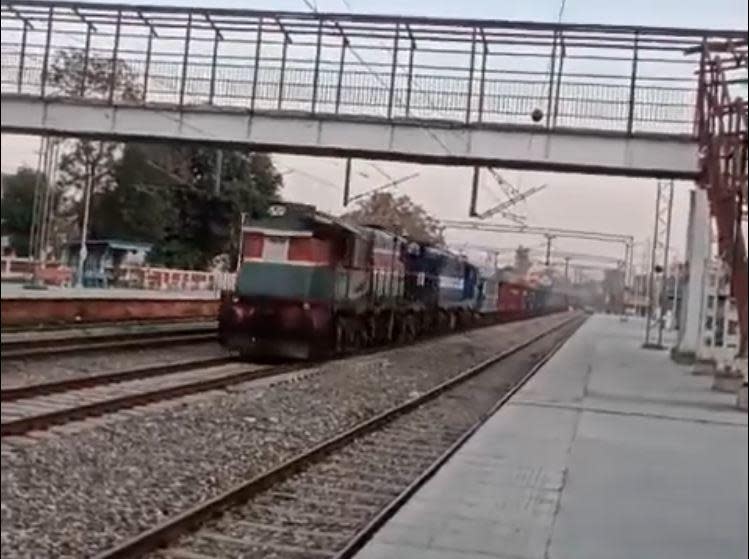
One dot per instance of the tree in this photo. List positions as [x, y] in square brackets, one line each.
[399, 215]
[74, 73]
[206, 222]
[158, 193]
[138, 207]
[18, 207]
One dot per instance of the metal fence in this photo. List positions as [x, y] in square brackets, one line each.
[624, 79]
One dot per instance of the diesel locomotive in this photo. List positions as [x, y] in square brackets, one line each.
[310, 284]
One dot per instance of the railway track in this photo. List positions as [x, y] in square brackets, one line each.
[328, 501]
[89, 325]
[11, 394]
[42, 406]
[64, 343]
[38, 407]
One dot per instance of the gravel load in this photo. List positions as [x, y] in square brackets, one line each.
[76, 495]
[24, 372]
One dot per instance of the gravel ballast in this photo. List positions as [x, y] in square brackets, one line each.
[76, 495]
[24, 372]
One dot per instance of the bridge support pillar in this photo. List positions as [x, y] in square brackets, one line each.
[703, 366]
[698, 253]
[727, 379]
[736, 381]
[742, 400]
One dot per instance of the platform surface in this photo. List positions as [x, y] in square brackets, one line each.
[18, 291]
[93, 331]
[609, 452]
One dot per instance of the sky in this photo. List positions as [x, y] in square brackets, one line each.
[607, 204]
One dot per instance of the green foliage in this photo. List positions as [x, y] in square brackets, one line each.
[188, 221]
[162, 194]
[74, 74]
[18, 207]
[399, 215]
[165, 195]
[138, 208]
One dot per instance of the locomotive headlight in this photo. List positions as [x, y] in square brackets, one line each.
[306, 306]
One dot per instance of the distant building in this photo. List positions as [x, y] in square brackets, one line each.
[522, 260]
[719, 328]
[613, 287]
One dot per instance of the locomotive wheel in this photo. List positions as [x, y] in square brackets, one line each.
[443, 322]
[391, 327]
[371, 331]
[360, 339]
[340, 337]
[409, 327]
[403, 332]
[356, 336]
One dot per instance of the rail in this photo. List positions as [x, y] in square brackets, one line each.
[187, 381]
[13, 393]
[26, 349]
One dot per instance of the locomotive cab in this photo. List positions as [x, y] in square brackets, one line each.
[285, 283]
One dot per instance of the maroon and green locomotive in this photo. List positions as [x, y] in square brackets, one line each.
[309, 283]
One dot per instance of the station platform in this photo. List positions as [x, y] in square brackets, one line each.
[610, 451]
[33, 308]
[103, 331]
[18, 291]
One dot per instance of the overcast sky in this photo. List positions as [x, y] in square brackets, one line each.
[606, 204]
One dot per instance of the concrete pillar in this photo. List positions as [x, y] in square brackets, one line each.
[727, 380]
[742, 399]
[698, 253]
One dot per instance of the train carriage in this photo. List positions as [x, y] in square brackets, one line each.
[487, 297]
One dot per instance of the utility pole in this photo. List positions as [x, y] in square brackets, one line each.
[240, 256]
[46, 222]
[659, 262]
[347, 183]
[83, 249]
[219, 168]
[87, 193]
[666, 249]
[548, 249]
[675, 302]
[472, 212]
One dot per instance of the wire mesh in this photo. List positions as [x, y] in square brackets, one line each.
[621, 79]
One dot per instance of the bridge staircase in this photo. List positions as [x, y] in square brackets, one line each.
[722, 129]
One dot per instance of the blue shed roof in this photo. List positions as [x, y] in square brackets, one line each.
[116, 244]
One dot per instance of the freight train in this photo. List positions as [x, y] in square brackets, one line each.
[310, 285]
